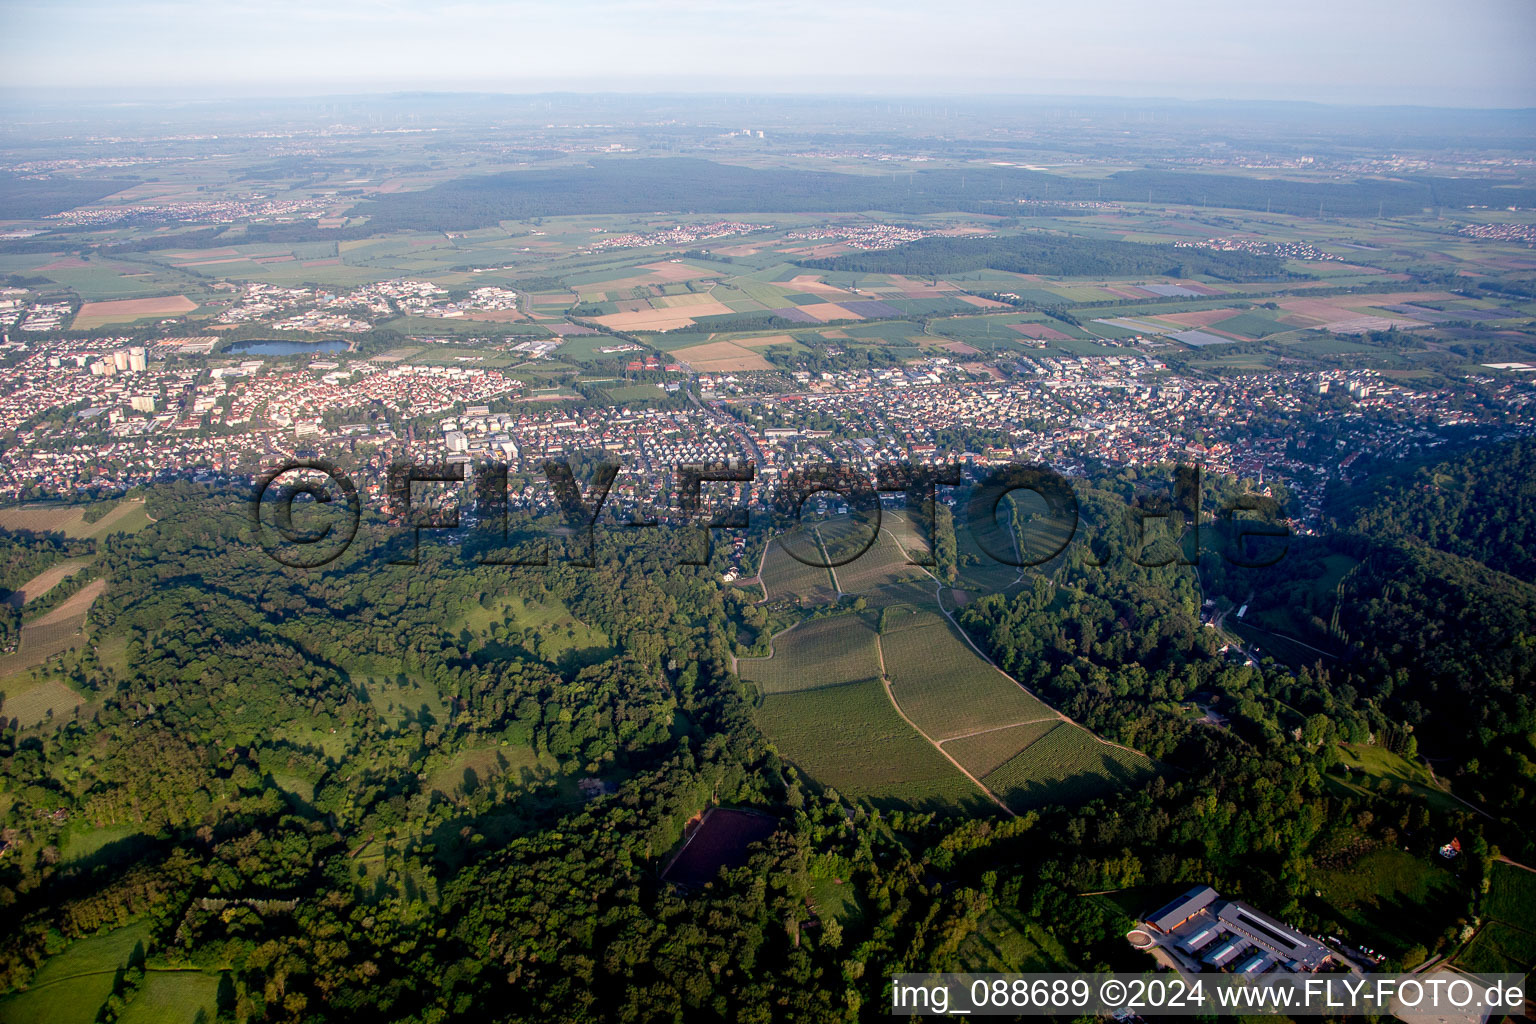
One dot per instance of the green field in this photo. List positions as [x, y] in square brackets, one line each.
[1499, 948]
[851, 739]
[472, 767]
[786, 577]
[1066, 766]
[822, 652]
[32, 701]
[947, 689]
[174, 997]
[1506, 942]
[1390, 899]
[70, 987]
[1376, 769]
[1007, 942]
[986, 752]
[882, 564]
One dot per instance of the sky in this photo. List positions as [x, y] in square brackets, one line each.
[1473, 53]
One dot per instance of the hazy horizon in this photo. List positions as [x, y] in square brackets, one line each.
[1370, 53]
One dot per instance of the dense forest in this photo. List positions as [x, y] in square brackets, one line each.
[1480, 504]
[1039, 252]
[255, 730]
[700, 186]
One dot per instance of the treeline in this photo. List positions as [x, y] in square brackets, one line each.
[701, 186]
[30, 198]
[1038, 252]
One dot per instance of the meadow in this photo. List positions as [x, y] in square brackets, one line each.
[72, 986]
[1385, 897]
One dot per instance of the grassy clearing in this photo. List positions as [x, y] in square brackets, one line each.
[1390, 899]
[1066, 766]
[474, 766]
[71, 986]
[823, 652]
[838, 900]
[947, 689]
[1376, 769]
[88, 842]
[1007, 942]
[851, 739]
[173, 997]
[986, 752]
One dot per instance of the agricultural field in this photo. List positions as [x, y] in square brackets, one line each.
[1499, 948]
[45, 581]
[821, 652]
[32, 701]
[984, 752]
[99, 314]
[128, 516]
[1506, 942]
[1066, 766]
[947, 689]
[54, 632]
[786, 577]
[851, 739]
[883, 564]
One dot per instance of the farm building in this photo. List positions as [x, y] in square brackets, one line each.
[1226, 952]
[1183, 908]
[1201, 921]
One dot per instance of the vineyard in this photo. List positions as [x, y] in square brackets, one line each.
[1066, 766]
[948, 689]
[883, 565]
[985, 752]
[785, 577]
[905, 531]
[822, 652]
[31, 705]
[851, 739]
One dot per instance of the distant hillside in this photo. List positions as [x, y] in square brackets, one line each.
[25, 198]
[638, 185]
[1040, 253]
[1480, 504]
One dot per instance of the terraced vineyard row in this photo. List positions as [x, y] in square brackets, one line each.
[1066, 766]
[947, 689]
[823, 652]
[985, 752]
[851, 739]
